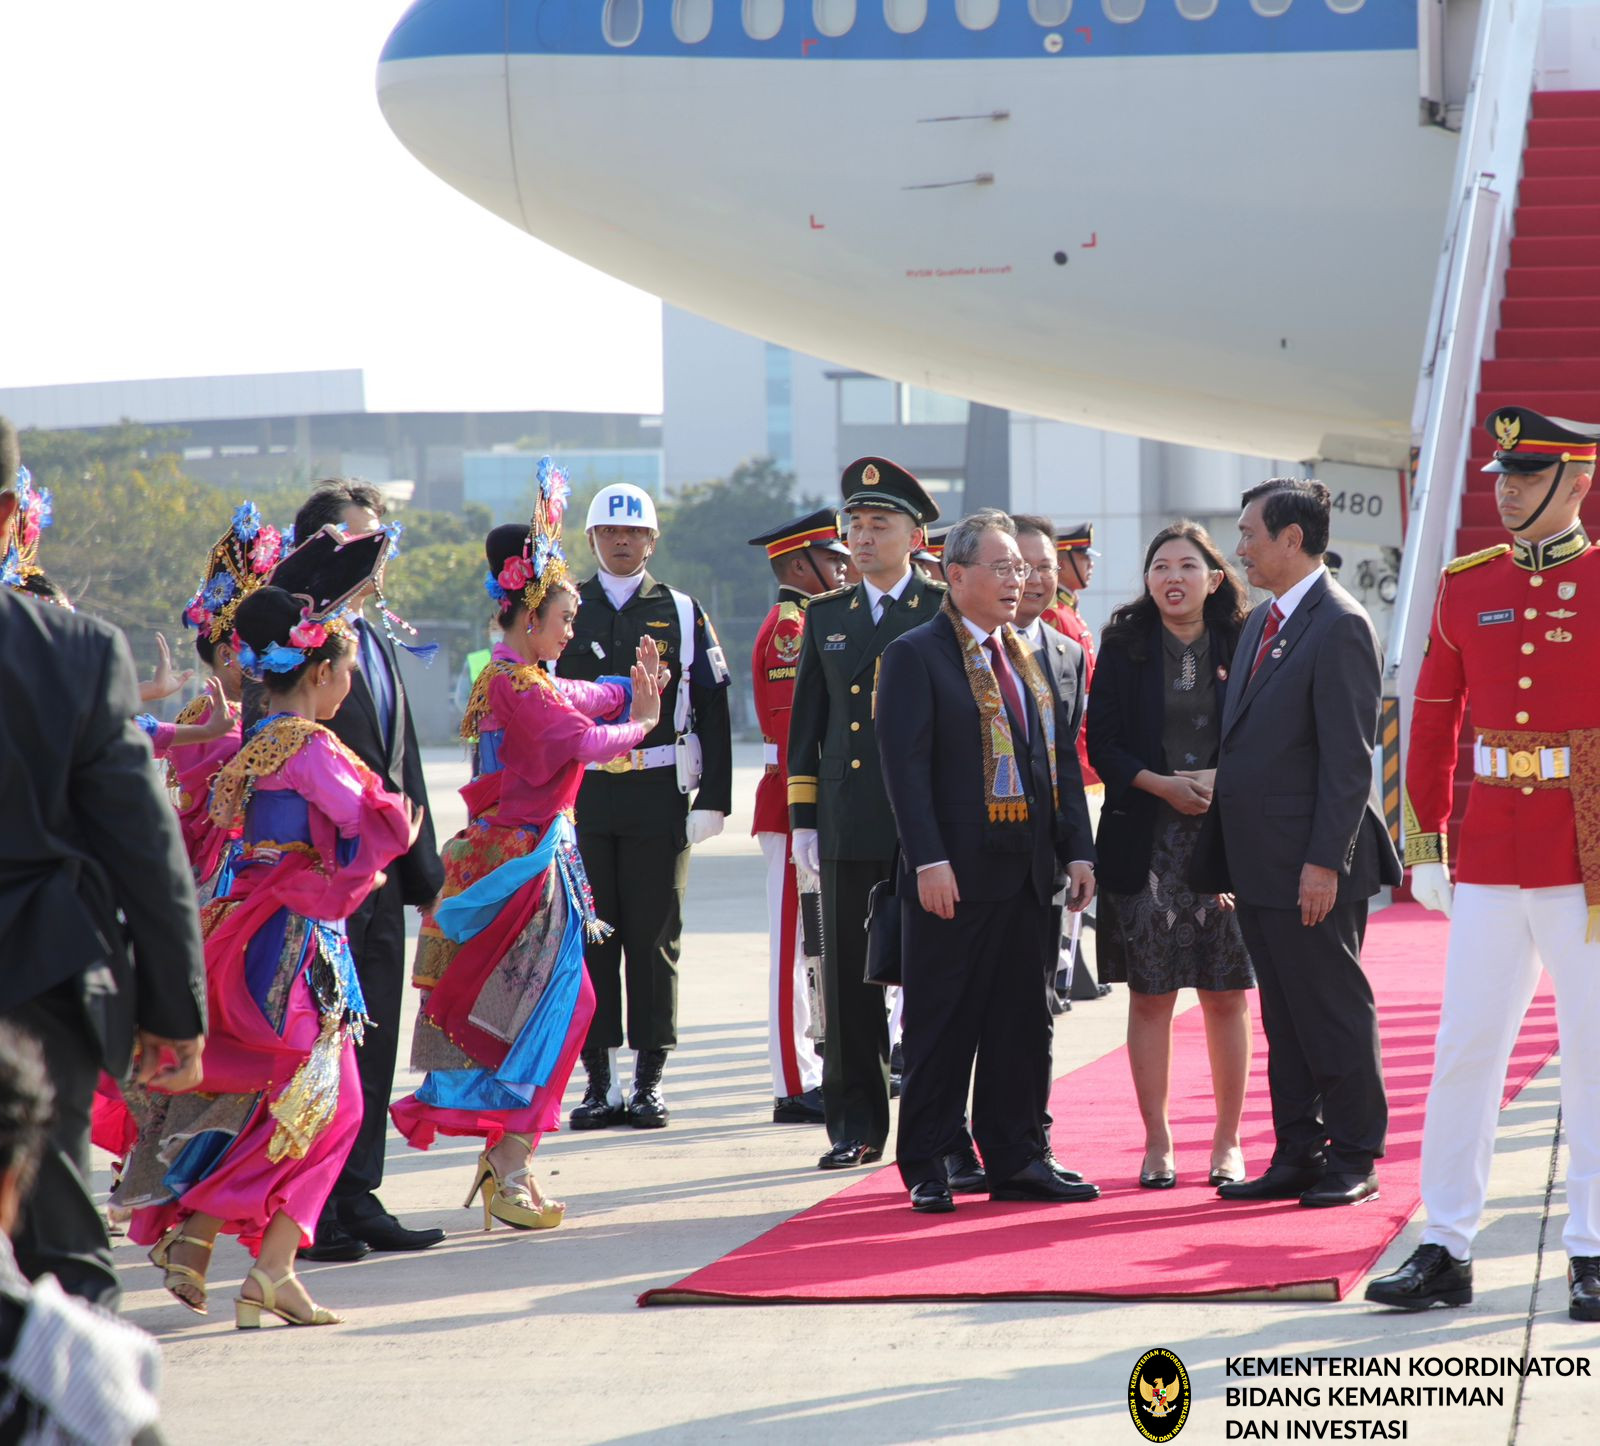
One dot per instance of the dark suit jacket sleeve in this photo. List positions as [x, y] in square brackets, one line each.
[1074, 833]
[808, 722]
[132, 833]
[905, 750]
[1346, 694]
[709, 699]
[1111, 739]
[420, 870]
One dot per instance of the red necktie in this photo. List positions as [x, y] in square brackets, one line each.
[1008, 684]
[1268, 633]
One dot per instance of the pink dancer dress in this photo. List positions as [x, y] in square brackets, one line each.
[508, 1000]
[272, 1120]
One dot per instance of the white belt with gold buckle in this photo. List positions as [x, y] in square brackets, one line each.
[1541, 763]
[636, 760]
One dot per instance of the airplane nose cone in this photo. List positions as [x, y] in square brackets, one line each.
[442, 89]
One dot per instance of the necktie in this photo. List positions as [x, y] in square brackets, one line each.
[1008, 684]
[885, 602]
[1268, 633]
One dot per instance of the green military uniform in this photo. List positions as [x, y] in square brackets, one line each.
[631, 818]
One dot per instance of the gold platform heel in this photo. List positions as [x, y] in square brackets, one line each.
[509, 1199]
[173, 1276]
[247, 1313]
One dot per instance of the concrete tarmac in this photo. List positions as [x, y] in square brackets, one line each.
[502, 1337]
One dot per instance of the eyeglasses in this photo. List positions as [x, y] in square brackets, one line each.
[1048, 570]
[1006, 571]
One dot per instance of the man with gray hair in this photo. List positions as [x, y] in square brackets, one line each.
[974, 761]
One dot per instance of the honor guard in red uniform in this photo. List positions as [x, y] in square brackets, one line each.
[1075, 556]
[807, 558]
[930, 556]
[1515, 636]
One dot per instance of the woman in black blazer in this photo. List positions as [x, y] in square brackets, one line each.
[1154, 727]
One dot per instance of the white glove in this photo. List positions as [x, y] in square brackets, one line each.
[1430, 887]
[804, 851]
[704, 823]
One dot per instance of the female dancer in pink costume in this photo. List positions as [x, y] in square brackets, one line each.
[509, 1000]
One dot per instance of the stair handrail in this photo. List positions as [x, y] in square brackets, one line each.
[1473, 259]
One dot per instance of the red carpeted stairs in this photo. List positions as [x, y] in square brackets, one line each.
[1547, 351]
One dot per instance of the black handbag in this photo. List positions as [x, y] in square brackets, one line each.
[883, 930]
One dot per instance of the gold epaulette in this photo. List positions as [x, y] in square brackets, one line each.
[1472, 559]
[791, 611]
[260, 758]
[521, 676]
[833, 592]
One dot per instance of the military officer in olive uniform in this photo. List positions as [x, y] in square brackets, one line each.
[838, 809]
[635, 819]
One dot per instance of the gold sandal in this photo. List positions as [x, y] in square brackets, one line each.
[174, 1276]
[507, 1200]
[247, 1312]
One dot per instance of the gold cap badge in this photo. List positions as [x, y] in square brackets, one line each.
[869, 475]
[1507, 431]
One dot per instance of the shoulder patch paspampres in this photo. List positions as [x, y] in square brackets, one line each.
[1472, 559]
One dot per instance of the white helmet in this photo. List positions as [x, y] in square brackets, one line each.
[622, 505]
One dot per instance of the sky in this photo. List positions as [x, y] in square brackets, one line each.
[207, 187]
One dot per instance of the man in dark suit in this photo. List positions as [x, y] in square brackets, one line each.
[973, 761]
[375, 724]
[1296, 834]
[91, 866]
[839, 813]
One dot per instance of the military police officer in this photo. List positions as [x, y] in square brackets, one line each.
[635, 820]
[838, 808]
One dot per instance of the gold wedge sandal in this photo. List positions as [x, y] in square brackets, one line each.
[247, 1312]
[510, 1199]
[174, 1276]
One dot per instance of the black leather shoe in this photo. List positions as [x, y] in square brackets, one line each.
[1281, 1182]
[1340, 1187]
[965, 1173]
[847, 1154]
[1430, 1276]
[646, 1109]
[1039, 1181]
[802, 1109]
[1583, 1287]
[384, 1232]
[333, 1243]
[932, 1197]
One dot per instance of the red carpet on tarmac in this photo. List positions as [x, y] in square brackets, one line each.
[866, 1244]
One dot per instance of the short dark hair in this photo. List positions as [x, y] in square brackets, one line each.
[27, 1103]
[1030, 523]
[328, 501]
[1303, 501]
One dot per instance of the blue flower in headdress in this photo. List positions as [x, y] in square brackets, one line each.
[288, 540]
[393, 530]
[553, 485]
[492, 586]
[11, 567]
[246, 521]
[219, 591]
[541, 555]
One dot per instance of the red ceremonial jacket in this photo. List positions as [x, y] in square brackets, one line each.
[1516, 632]
[773, 663]
[1066, 618]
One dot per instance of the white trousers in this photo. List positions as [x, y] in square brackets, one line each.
[1499, 936]
[795, 1065]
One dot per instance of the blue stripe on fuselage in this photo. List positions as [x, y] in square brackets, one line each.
[573, 27]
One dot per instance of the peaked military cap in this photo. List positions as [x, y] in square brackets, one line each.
[1077, 539]
[932, 550]
[819, 529]
[877, 482]
[1525, 441]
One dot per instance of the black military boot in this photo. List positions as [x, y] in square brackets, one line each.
[596, 1112]
[1430, 1276]
[647, 1110]
[1583, 1287]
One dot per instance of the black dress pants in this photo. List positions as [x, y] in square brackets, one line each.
[378, 945]
[975, 988]
[638, 885]
[855, 1047]
[1323, 1064]
[61, 1232]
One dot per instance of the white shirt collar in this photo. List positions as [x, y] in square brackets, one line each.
[1034, 632]
[620, 589]
[874, 593]
[1297, 594]
[981, 636]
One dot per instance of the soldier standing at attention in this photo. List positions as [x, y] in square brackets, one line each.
[807, 558]
[635, 822]
[839, 811]
[1515, 634]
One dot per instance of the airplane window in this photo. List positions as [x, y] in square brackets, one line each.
[1345, 7]
[1122, 12]
[691, 20]
[977, 14]
[763, 18]
[1050, 13]
[1197, 9]
[622, 21]
[905, 16]
[1270, 8]
[833, 17]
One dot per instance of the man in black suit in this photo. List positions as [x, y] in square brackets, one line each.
[973, 759]
[839, 814]
[1296, 834]
[375, 724]
[91, 865]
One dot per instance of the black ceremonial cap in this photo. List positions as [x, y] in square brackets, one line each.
[1524, 441]
[819, 529]
[878, 482]
[330, 567]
